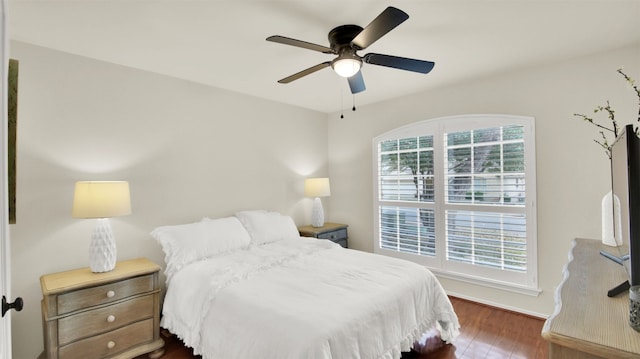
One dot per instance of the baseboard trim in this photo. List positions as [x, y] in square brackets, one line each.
[498, 306]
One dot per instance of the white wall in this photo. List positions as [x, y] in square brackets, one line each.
[572, 171]
[187, 150]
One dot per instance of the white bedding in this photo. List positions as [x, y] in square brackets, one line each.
[304, 298]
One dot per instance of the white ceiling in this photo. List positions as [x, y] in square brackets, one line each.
[222, 42]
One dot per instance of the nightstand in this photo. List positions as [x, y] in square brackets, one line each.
[114, 314]
[334, 232]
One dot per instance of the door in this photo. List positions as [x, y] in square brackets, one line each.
[5, 321]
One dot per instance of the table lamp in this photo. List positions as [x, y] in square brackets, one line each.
[101, 200]
[317, 187]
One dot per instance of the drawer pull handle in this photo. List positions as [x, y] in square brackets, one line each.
[111, 344]
[110, 294]
[111, 318]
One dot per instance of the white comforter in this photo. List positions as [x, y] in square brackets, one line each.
[305, 298]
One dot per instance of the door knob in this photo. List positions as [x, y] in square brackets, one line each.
[17, 305]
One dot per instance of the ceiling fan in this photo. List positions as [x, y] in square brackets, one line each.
[346, 40]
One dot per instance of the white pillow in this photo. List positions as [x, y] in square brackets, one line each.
[187, 243]
[265, 226]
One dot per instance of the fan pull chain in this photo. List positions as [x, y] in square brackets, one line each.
[341, 104]
[354, 103]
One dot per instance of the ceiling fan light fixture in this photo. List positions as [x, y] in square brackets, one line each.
[346, 40]
[346, 65]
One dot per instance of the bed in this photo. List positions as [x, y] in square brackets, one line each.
[248, 286]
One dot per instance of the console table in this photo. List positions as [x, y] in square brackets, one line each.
[586, 323]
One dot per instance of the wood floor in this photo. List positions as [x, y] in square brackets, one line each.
[486, 332]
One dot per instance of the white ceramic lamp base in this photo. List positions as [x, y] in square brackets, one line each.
[102, 250]
[317, 213]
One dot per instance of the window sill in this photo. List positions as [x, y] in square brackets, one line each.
[530, 291]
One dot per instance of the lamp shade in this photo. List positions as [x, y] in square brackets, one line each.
[101, 199]
[317, 187]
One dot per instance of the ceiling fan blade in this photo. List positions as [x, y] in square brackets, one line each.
[401, 63]
[299, 43]
[385, 22]
[356, 83]
[306, 72]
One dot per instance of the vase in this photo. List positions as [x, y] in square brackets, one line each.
[609, 217]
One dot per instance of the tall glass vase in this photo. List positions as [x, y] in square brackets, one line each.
[609, 217]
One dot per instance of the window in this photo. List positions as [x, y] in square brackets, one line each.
[457, 194]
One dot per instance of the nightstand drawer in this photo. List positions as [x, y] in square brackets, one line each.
[84, 298]
[100, 320]
[334, 235]
[110, 343]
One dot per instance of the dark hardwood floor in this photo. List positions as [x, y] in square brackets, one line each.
[486, 332]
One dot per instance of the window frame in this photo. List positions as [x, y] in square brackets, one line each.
[525, 282]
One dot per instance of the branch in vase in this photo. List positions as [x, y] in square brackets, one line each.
[590, 120]
[633, 85]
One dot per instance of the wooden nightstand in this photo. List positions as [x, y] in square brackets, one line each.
[334, 232]
[102, 315]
